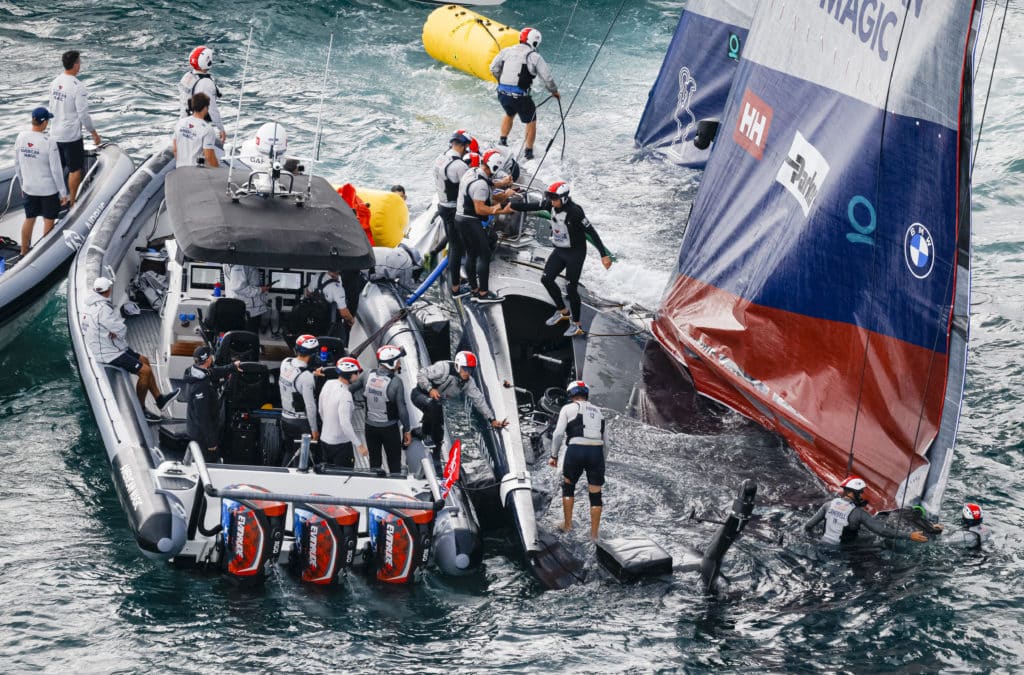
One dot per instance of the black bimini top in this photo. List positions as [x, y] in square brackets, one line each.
[323, 234]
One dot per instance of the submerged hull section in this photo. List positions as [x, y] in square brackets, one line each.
[828, 248]
[695, 78]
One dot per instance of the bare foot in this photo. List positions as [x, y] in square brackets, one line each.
[564, 528]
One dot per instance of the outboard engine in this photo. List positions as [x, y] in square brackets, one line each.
[252, 531]
[400, 540]
[325, 542]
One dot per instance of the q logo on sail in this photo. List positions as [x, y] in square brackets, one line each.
[918, 249]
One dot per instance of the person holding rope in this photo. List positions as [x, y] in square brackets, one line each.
[515, 68]
[570, 231]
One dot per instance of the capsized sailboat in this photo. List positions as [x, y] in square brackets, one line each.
[695, 78]
[823, 281]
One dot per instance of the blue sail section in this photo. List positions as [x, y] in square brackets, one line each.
[695, 78]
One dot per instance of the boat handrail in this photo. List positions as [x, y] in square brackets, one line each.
[195, 455]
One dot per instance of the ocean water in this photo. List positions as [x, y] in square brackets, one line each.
[76, 596]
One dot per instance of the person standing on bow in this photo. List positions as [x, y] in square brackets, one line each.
[37, 168]
[243, 283]
[387, 416]
[198, 80]
[194, 137]
[473, 205]
[447, 379]
[298, 394]
[570, 231]
[582, 425]
[515, 68]
[69, 103]
[203, 418]
[341, 420]
[449, 169]
[845, 515]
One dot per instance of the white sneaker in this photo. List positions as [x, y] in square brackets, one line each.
[556, 318]
[574, 330]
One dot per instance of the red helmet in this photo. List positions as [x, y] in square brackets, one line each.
[472, 158]
[557, 190]
[493, 160]
[854, 484]
[201, 58]
[972, 514]
[388, 356]
[530, 36]
[349, 365]
[306, 344]
[465, 359]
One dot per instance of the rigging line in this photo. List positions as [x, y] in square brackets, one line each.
[565, 30]
[615, 18]
[238, 113]
[483, 24]
[874, 257]
[988, 94]
[984, 43]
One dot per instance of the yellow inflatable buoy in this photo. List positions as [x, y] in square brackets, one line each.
[466, 40]
[389, 215]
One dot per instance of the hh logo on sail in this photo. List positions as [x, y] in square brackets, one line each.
[751, 132]
[803, 172]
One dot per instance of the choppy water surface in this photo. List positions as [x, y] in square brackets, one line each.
[76, 595]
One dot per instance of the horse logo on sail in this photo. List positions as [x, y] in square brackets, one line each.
[687, 88]
[919, 250]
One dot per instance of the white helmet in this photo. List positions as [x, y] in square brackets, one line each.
[530, 36]
[388, 356]
[493, 160]
[465, 359]
[201, 58]
[349, 365]
[271, 140]
[854, 484]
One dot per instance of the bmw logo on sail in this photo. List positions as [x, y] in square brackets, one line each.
[919, 250]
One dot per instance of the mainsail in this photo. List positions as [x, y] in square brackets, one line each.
[695, 78]
[823, 282]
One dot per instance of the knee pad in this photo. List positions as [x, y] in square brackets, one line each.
[595, 499]
[568, 489]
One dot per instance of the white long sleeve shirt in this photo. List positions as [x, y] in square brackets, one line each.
[193, 83]
[336, 411]
[243, 282]
[100, 321]
[69, 103]
[37, 165]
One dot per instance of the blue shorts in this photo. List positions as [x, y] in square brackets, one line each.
[580, 458]
[518, 105]
[128, 360]
[48, 206]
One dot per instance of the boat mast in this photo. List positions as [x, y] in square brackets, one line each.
[319, 118]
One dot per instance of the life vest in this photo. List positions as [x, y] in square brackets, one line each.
[379, 409]
[291, 370]
[362, 209]
[468, 206]
[837, 522]
[586, 426]
[195, 83]
[447, 190]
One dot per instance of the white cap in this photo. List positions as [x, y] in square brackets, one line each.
[102, 284]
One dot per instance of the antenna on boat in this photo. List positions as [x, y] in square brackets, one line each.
[319, 118]
[238, 113]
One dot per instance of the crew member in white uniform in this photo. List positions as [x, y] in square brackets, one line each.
[515, 68]
[194, 137]
[582, 425]
[243, 282]
[69, 102]
[329, 284]
[449, 168]
[845, 515]
[340, 419]
[198, 80]
[37, 168]
[298, 394]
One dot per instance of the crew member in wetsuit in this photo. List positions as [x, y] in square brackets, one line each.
[202, 380]
[973, 533]
[446, 379]
[473, 205]
[844, 516]
[515, 68]
[449, 169]
[298, 394]
[570, 230]
[199, 80]
[330, 286]
[582, 425]
[339, 415]
[386, 410]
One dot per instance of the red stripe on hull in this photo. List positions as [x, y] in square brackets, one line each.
[815, 367]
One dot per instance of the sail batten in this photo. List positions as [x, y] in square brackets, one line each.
[823, 267]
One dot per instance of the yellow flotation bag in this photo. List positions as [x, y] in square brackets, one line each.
[466, 40]
[389, 215]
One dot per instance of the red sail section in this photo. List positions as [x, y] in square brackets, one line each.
[808, 389]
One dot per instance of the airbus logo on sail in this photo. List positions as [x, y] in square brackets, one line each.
[752, 127]
[803, 172]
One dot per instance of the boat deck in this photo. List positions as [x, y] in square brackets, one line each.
[144, 334]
